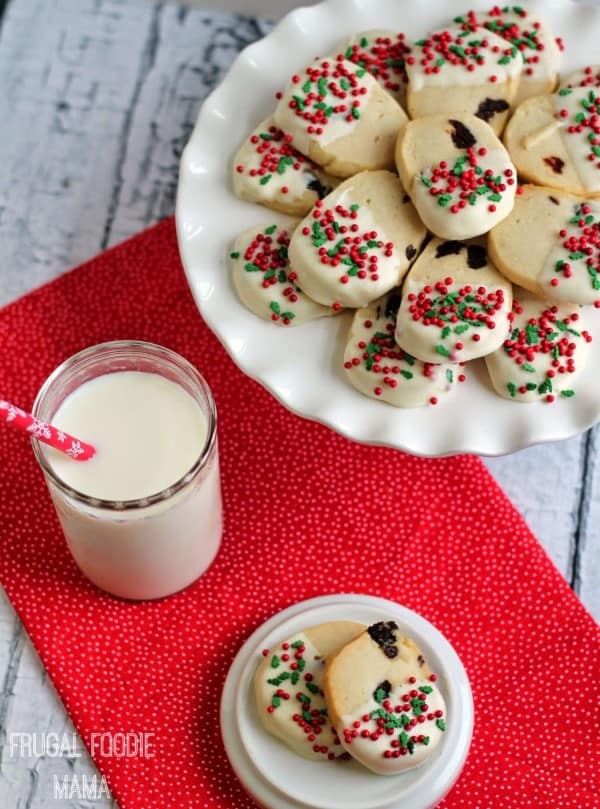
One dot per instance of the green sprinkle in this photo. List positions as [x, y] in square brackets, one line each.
[495, 197]
[322, 86]
[425, 181]
[461, 329]
[349, 52]
[528, 367]
[379, 695]
[411, 747]
[235, 254]
[344, 84]
[425, 741]
[271, 229]
[450, 378]
[300, 103]
[576, 256]
[565, 91]
[282, 276]
[355, 112]
[274, 306]
[252, 268]
[288, 315]
[532, 334]
[264, 180]
[403, 738]
[266, 136]
[421, 42]
[426, 689]
[446, 332]
[296, 644]
[512, 389]
[441, 724]
[306, 86]
[276, 701]
[567, 393]
[440, 349]
[444, 199]
[269, 274]
[313, 688]
[295, 677]
[354, 207]
[301, 664]
[407, 374]
[440, 62]
[546, 386]
[304, 699]
[363, 42]
[307, 716]
[504, 60]
[531, 386]
[360, 73]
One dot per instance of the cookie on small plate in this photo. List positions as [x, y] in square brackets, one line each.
[383, 701]
[540, 51]
[554, 140]
[358, 242]
[288, 687]
[550, 245]
[459, 175]
[455, 304]
[340, 117]
[458, 72]
[263, 279]
[544, 353]
[383, 53]
[268, 170]
[376, 365]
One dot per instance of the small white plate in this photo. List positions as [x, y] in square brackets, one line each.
[279, 779]
[303, 366]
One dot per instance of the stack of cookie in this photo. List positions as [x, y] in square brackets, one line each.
[408, 208]
[344, 690]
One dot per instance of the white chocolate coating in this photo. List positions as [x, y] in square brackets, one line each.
[544, 352]
[358, 243]
[389, 753]
[268, 170]
[588, 76]
[455, 304]
[288, 689]
[503, 64]
[265, 287]
[376, 366]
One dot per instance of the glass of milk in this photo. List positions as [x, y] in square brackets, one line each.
[143, 517]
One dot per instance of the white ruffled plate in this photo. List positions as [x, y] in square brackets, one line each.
[303, 366]
[277, 778]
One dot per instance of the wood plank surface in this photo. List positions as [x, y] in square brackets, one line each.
[98, 99]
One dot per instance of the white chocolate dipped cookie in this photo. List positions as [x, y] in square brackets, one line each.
[550, 245]
[263, 279]
[458, 174]
[268, 170]
[358, 242]
[383, 53]
[460, 72]
[588, 76]
[379, 368]
[455, 304]
[340, 117]
[540, 52]
[554, 140]
[544, 353]
[288, 687]
[383, 701]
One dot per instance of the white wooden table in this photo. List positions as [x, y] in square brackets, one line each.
[97, 99]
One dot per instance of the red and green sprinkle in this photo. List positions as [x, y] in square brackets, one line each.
[330, 90]
[547, 334]
[467, 182]
[383, 57]
[340, 243]
[586, 121]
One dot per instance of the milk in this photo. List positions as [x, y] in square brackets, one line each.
[148, 433]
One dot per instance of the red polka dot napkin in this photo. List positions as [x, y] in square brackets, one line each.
[307, 512]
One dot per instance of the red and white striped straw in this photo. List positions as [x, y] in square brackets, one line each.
[61, 441]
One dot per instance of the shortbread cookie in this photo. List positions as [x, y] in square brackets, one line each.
[288, 689]
[358, 242]
[268, 170]
[550, 244]
[458, 174]
[455, 304]
[458, 72]
[263, 279]
[377, 366]
[544, 353]
[383, 701]
[588, 76]
[554, 140]
[340, 117]
[540, 52]
[383, 53]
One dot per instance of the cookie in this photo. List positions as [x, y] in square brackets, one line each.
[383, 53]
[540, 52]
[544, 353]
[455, 304]
[383, 701]
[554, 140]
[340, 117]
[459, 72]
[263, 279]
[588, 76]
[289, 694]
[358, 242]
[460, 177]
[376, 365]
[268, 170]
[550, 244]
